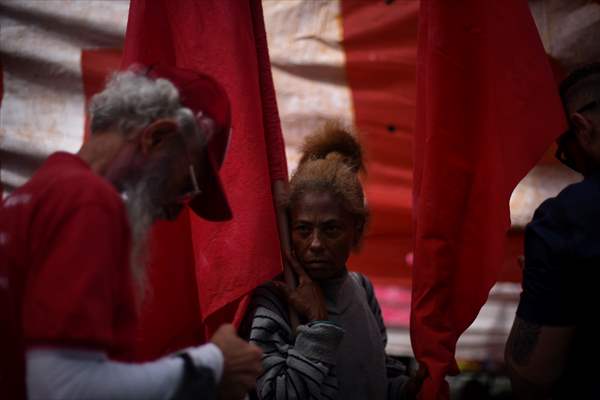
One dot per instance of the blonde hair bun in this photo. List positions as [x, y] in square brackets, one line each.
[334, 142]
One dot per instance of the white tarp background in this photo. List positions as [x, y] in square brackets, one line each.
[42, 107]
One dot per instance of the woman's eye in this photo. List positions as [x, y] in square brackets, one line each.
[302, 229]
[332, 229]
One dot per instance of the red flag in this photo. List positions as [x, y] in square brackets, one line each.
[487, 109]
[201, 272]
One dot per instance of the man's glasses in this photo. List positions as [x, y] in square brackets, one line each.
[568, 136]
[195, 189]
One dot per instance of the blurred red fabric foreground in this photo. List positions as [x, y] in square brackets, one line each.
[201, 272]
[487, 109]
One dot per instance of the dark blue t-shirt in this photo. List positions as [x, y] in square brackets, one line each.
[560, 279]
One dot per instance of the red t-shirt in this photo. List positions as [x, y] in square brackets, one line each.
[65, 276]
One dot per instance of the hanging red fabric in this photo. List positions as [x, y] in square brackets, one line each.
[487, 109]
[201, 272]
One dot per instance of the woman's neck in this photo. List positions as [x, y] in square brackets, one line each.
[331, 286]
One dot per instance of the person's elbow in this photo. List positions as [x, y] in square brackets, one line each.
[527, 383]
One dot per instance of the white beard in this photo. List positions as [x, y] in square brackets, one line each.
[141, 200]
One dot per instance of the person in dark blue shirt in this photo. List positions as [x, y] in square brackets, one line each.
[552, 350]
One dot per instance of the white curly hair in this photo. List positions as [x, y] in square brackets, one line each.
[131, 101]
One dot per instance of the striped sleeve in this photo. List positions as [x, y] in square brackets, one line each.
[300, 368]
[396, 372]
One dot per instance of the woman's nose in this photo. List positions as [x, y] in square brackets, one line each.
[315, 241]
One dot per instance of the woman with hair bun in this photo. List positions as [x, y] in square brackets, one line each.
[338, 350]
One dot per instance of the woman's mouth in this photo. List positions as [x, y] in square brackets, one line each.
[317, 264]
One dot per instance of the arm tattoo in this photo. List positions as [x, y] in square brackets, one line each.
[523, 340]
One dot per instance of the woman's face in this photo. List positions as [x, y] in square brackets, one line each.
[323, 234]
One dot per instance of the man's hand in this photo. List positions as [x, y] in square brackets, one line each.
[242, 363]
[307, 299]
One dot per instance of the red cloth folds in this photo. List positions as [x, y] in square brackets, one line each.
[225, 39]
[380, 46]
[487, 109]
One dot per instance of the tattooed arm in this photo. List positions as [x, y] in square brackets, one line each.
[536, 356]
[540, 341]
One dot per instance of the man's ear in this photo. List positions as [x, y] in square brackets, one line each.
[583, 130]
[155, 134]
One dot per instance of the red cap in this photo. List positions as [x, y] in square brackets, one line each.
[201, 93]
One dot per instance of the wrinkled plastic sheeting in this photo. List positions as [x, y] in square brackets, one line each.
[308, 65]
[42, 107]
[569, 29]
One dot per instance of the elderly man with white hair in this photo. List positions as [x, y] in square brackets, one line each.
[73, 246]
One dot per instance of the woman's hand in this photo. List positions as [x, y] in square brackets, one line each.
[307, 298]
[412, 387]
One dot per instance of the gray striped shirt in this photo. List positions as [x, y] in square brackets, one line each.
[342, 358]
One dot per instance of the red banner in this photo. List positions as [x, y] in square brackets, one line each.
[225, 39]
[487, 109]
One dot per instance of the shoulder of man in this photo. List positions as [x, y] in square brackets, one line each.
[579, 199]
[63, 190]
[574, 209]
[62, 185]
[66, 182]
